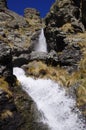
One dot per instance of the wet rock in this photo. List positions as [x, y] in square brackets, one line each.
[29, 118]
[48, 58]
[55, 39]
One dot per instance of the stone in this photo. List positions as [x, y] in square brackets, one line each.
[69, 57]
[83, 9]
[64, 18]
[5, 60]
[55, 39]
[66, 40]
[3, 4]
[14, 29]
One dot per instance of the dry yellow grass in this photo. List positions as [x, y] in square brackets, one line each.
[67, 28]
[5, 114]
[4, 86]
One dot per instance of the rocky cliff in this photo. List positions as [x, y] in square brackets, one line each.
[65, 61]
[65, 33]
[16, 34]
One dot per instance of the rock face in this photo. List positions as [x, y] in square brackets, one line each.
[65, 34]
[65, 61]
[62, 22]
[3, 4]
[68, 12]
[83, 8]
[32, 13]
[19, 31]
[6, 61]
[16, 36]
[8, 109]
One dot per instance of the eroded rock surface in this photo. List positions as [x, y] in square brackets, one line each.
[15, 39]
[64, 63]
[65, 33]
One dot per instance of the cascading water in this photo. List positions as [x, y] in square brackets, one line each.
[51, 99]
[41, 46]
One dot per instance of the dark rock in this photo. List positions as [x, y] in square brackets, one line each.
[62, 12]
[70, 57]
[55, 39]
[19, 31]
[6, 69]
[5, 55]
[77, 2]
[63, 15]
[48, 58]
[3, 4]
[83, 9]
[21, 60]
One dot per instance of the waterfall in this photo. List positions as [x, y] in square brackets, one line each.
[41, 46]
[51, 99]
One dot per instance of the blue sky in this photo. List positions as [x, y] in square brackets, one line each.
[42, 6]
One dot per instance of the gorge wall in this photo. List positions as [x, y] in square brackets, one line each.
[65, 62]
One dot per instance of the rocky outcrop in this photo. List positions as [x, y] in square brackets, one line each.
[8, 109]
[64, 17]
[63, 12]
[65, 33]
[18, 31]
[62, 23]
[48, 58]
[70, 57]
[16, 34]
[31, 13]
[6, 67]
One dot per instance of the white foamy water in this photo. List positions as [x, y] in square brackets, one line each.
[41, 46]
[52, 101]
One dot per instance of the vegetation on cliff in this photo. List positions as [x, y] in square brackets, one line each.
[65, 62]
